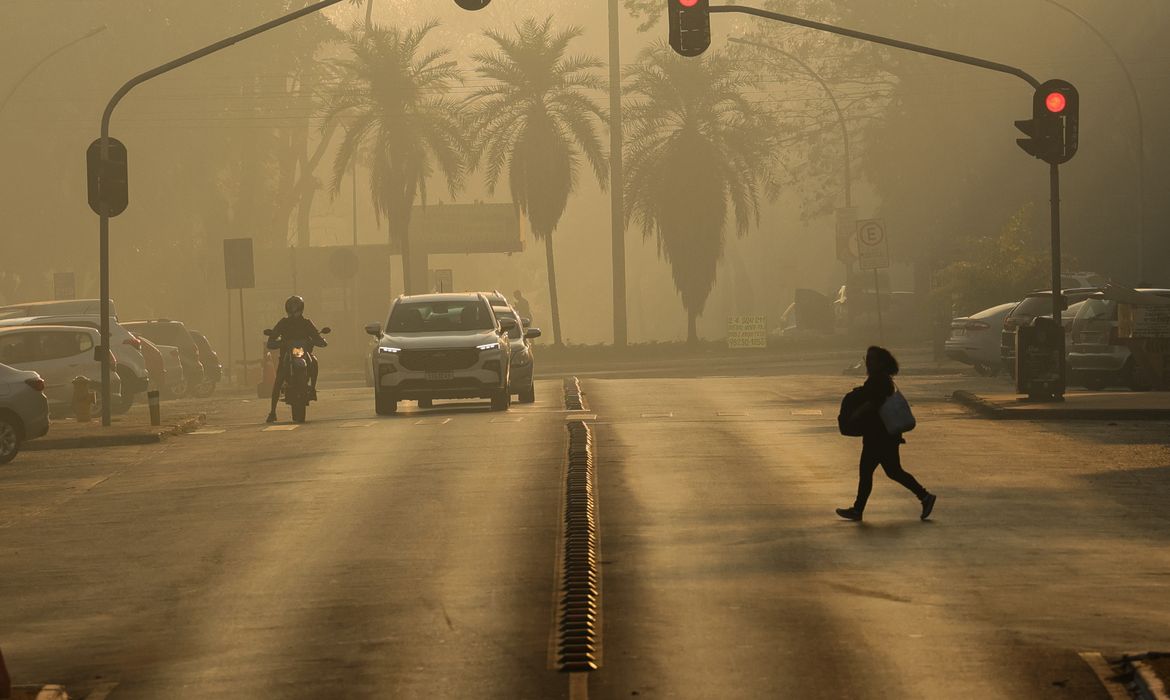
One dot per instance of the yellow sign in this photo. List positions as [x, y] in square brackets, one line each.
[747, 331]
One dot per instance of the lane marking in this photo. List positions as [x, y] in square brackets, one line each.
[279, 427]
[581, 416]
[667, 414]
[207, 431]
[432, 421]
[808, 412]
[516, 419]
[731, 413]
[357, 424]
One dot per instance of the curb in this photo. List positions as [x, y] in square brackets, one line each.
[986, 409]
[150, 437]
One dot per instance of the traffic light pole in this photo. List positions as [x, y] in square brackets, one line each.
[1057, 293]
[104, 225]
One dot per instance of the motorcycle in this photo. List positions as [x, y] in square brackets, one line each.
[295, 354]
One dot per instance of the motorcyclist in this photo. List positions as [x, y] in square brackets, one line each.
[294, 327]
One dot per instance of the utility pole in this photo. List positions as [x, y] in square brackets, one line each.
[616, 181]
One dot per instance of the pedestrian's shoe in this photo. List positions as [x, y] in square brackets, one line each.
[849, 513]
[271, 417]
[928, 505]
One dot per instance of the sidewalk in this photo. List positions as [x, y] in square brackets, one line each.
[125, 430]
[1082, 405]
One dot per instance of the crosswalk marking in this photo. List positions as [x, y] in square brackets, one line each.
[357, 424]
[729, 414]
[208, 431]
[280, 427]
[667, 414]
[433, 421]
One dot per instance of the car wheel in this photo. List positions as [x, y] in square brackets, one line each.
[384, 403]
[501, 399]
[9, 440]
[528, 394]
[426, 403]
[123, 403]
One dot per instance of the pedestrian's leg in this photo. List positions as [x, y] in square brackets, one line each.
[868, 463]
[892, 464]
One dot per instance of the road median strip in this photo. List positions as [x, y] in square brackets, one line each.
[1144, 406]
[70, 436]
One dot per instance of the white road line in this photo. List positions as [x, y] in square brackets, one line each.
[515, 419]
[358, 424]
[207, 431]
[728, 414]
[658, 415]
[808, 412]
[279, 427]
[581, 416]
[432, 421]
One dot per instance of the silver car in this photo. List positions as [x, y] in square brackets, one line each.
[24, 410]
[975, 339]
[1096, 359]
[441, 346]
[520, 337]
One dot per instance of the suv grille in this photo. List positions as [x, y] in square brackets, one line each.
[434, 360]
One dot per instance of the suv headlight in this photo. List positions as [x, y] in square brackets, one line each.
[488, 346]
[388, 351]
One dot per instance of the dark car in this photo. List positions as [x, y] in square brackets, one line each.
[212, 367]
[167, 332]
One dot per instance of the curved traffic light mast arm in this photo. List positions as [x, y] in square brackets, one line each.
[874, 38]
[104, 226]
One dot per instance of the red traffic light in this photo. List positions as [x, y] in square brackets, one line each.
[1055, 102]
[688, 3]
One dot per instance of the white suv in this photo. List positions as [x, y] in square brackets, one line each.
[440, 346]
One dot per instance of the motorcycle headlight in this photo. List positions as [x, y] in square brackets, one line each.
[488, 346]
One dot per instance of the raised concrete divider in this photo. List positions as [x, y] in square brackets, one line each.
[68, 435]
[1120, 405]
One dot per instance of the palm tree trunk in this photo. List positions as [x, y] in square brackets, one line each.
[692, 330]
[369, 14]
[552, 289]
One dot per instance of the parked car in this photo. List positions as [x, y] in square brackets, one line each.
[975, 339]
[176, 386]
[59, 354]
[24, 410]
[441, 346]
[168, 332]
[212, 367]
[1096, 359]
[156, 367]
[64, 307]
[521, 383]
[126, 346]
[1035, 304]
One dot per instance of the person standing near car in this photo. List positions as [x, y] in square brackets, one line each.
[861, 416]
[521, 305]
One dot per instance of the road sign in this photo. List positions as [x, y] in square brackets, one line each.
[64, 286]
[846, 232]
[107, 179]
[237, 263]
[873, 251]
[747, 331]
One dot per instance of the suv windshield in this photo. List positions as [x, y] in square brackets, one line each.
[439, 316]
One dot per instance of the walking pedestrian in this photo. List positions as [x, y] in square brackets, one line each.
[860, 416]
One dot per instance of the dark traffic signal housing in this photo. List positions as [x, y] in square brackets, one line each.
[1054, 128]
[690, 26]
[472, 4]
[108, 178]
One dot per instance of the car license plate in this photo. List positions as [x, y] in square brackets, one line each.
[440, 376]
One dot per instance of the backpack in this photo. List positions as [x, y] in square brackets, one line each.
[847, 419]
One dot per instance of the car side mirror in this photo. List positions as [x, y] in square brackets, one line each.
[326, 330]
[507, 324]
[374, 329]
[532, 333]
[267, 331]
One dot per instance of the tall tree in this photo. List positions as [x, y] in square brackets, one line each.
[697, 148]
[536, 119]
[394, 103]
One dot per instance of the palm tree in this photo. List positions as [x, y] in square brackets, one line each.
[696, 147]
[535, 120]
[396, 111]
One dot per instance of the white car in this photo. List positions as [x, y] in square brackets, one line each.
[441, 346]
[63, 307]
[975, 339]
[131, 363]
[24, 410]
[59, 354]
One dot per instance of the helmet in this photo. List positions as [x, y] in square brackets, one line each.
[294, 306]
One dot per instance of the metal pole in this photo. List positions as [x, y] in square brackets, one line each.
[616, 180]
[877, 300]
[104, 226]
[104, 305]
[243, 342]
[1057, 295]
[231, 367]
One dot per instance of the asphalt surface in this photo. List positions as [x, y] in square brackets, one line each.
[414, 556]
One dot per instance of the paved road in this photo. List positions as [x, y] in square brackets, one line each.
[413, 556]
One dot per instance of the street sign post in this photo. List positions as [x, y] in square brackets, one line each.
[239, 272]
[873, 253]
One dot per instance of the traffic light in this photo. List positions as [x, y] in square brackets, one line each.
[108, 179]
[1054, 128]
[472, 4]
[690, 26]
